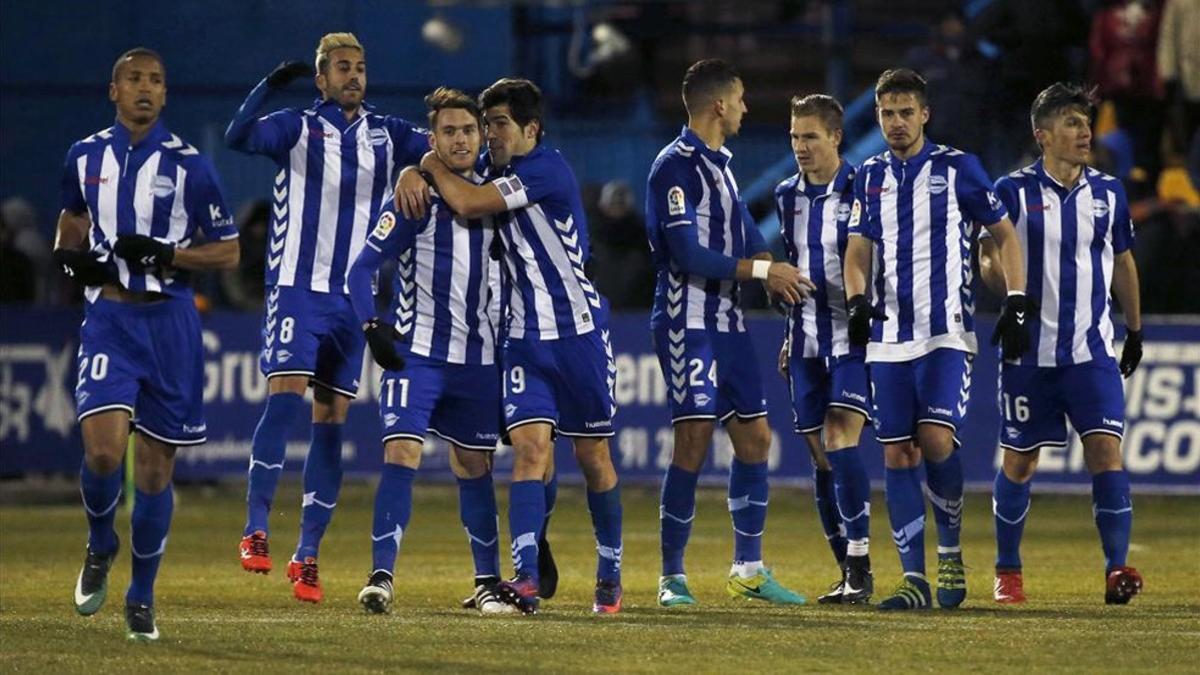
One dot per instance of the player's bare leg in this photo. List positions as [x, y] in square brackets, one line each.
[1010, 506]
[1113, 511]
[105, 438]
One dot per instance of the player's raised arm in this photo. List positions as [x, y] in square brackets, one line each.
[271, 134]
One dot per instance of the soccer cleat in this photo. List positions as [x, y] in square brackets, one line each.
[91, 587]
[834, 595]
[952, 580]
[521, 592]
[608, 597]
[1121, 584]
[673, 591]
[306, 584]
[762, 586]
[139, 620]
[860, 583]
[376, 596]
[912, 593]
[254, 553]
[485, 598]
[547, 571]
[1009, 588]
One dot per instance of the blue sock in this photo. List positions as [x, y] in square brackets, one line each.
[266, 457]
[393, 507]
[605, 508]
[944, 481]
[551, 500]
[831, 521]
[322, 481]
[906, 510]
[1010, 505]
[526, 513]
[748, 508]
[477, 510]
[101, 494]
[853, 489]
[677, 508]
[1113, 510]
[149, 524]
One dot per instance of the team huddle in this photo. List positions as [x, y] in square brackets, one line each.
[495, 334]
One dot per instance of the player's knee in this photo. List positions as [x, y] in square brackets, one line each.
[901, 455]
[153, 467]
[842, 429]
[936, 441]
[1019, 467]
[406, 453]
[103, 462]
[1102, 452]
[469, 464]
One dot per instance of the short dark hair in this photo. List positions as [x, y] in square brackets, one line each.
[523, 98]
[137, 51]
[822, 106]
[704, 79]
[1057, 97]
[900, 81]
[443, 98]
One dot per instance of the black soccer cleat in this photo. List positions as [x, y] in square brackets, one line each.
[834, 595]
[376, 596]
[859, 584]
[1121, 584]
[547, 570]
[139, 619]
[91, 587]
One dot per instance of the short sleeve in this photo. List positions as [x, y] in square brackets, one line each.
[1122, 226]
[975, 194]
[862, 223]
[532, 181]
[1010, 197]
[206, 202]
[70, 195]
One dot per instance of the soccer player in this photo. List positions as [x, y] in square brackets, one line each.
[558, 364]
[826, 374]
[1073, 223]
[336, 162]
[134, 198]
[443, 379]
[915, 208]
[704, 243]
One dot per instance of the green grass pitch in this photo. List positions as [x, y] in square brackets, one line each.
[214, 616]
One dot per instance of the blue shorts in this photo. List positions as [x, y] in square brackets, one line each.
[146, 359]
[459, 402]
[567, 383]
[710, 374]
[818, 384]
[313, 334]
[1037, 402]
[933, 389]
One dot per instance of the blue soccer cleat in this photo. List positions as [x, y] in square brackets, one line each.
[952, 580]
[912, 593]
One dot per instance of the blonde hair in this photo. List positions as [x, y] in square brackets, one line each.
[332, 41]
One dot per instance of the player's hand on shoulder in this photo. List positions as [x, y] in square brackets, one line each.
[1012, 328]
[785, 280]
[1131, 353]
[381, 338]
[286, 72]
[82, 266]
[412, 193]
[142, 251]
[859, 313]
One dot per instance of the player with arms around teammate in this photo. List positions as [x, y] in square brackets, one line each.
[336, 162]
[443, 379]
[133, 197]
[1073, 224]
[704, 243]
[558, 364]
[826, 375]
[915, 209]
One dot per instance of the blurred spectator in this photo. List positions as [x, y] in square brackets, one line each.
[25, 237]
[16, 269]
[958, 83]
[1179, 64]
[623, 271]
[1122, 49]
[244, 286]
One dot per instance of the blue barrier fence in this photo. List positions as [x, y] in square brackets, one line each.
[38, 431]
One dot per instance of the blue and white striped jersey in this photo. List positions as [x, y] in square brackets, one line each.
[921, 215]
[546, 246]
[447, 287]
[691, 189]
[1069, 236]
[332, 178]
[161, 187]
[813, 220]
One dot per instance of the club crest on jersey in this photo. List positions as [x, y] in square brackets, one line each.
[377, 136]
[1100, 209]
[675, 203]
[384, 225]
[163, 186]
[938, 184]
[843, 212]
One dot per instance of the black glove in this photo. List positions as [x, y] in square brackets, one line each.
[142, 251]
[859, 314]
[83, 267]
[287, 71]
[381, 337]
[1012, 329]
[1131, 353]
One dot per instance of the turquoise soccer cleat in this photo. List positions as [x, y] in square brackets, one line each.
[762, 586]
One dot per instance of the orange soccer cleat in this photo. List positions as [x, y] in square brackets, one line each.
[306, 585]
[1121, 584]
[255, 555]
